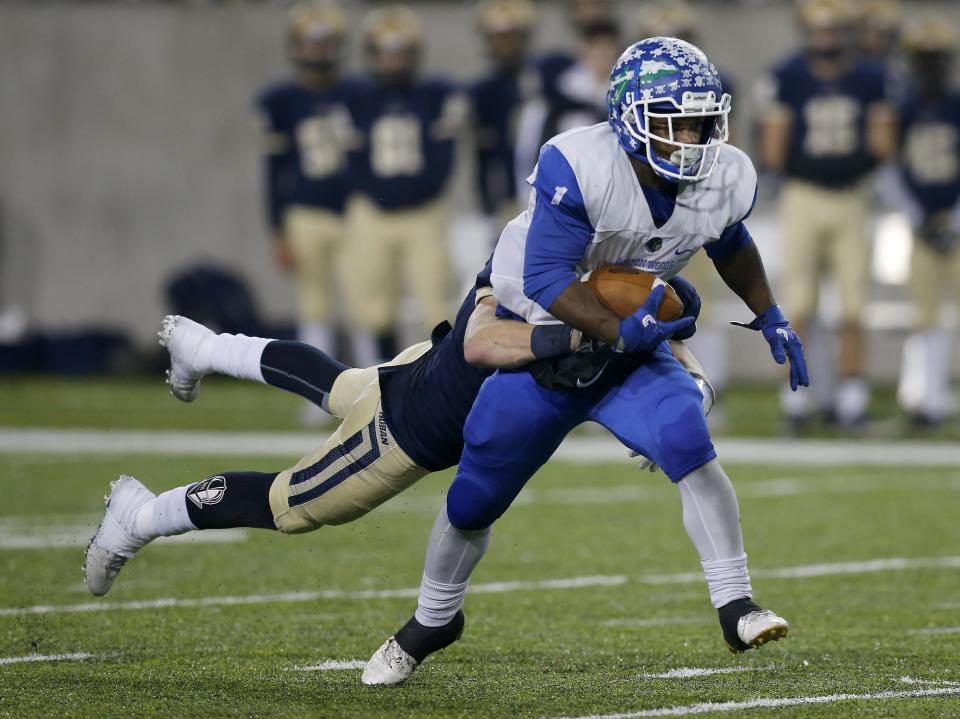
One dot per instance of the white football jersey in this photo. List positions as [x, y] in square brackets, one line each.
[624, 230]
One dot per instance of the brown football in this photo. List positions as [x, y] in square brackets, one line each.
[623, 289]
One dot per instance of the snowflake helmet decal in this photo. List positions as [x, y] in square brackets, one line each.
[661, 80]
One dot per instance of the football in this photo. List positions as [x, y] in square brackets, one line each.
[623, 289]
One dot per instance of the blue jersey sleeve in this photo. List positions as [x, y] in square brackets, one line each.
[560, 231]
[733, 239]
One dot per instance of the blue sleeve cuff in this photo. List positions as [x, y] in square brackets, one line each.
[733, 239]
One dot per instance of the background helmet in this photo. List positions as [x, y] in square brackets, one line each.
[315, 33]
[663, 77]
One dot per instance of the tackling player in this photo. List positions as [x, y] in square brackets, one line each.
[401, 421]
[826, 124]
[647, 189]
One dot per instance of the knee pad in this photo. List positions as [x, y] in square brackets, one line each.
[472, 504]
[681, 434]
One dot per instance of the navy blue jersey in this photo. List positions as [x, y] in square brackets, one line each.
[427, 401]
[828, 133]
[408, 138]
[495, 100]
[551, 66]
[930, 156]
[308, 132]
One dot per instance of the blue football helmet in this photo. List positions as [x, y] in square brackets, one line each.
[663, 77]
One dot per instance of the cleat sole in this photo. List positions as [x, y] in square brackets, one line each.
[772, 634]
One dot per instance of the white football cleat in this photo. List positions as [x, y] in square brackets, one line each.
[761, 626]
[184, 340]
[115, 540]
[388, 665]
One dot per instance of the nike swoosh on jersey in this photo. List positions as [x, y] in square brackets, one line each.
[678, 251]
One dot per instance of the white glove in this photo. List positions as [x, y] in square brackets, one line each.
[709, 397]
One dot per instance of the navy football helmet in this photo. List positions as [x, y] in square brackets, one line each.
[664, 77]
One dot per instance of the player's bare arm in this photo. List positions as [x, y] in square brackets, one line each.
[881, 131]
[686, 358]
[743, 273]
[775, 128]
[580, 308]
[495, 342]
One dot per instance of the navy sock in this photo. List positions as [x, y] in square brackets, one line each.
[232, 499]
[300, 368]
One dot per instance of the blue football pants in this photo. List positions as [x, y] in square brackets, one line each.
[516, 425]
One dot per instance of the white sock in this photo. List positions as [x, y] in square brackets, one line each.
[364, 348]
[727, 579]
[712, 520]
[452, 555]
[235, 355]
[318, 334]
[438, 602]
[795, 405]
[853, 396]
[936, 397]
[819, 349]
[165, 515]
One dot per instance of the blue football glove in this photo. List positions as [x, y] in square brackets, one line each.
[783, 342]
[691, 305]
[643, 332]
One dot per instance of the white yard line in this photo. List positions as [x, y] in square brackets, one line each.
[936, 630]
[69, 537]
[710, 707]
[574, 449]
[332, 664]
[662, 622]
[689, 672]
[813, 570]
[891, 564]
[29, 658]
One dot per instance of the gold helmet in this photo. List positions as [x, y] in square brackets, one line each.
[930, 34]
[813, 14]
[395, 27]
[884, 15]
[664, 18]
[496, 16]
[316, 20]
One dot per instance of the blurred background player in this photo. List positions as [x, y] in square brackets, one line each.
[929, 182]
[675, 18]
[396, 220]
[827, 123]
[580, 14]
[495, 100]
[880, 24]
[308, 128]
[575, 97]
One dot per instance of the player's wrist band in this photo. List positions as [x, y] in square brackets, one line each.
[550, 341]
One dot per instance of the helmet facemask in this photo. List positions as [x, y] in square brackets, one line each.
[689, 161]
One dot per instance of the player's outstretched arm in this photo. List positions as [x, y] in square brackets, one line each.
[490, 341]
[744, 274]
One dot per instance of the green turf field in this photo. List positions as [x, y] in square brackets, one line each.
[231, 638]
[142, 402]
